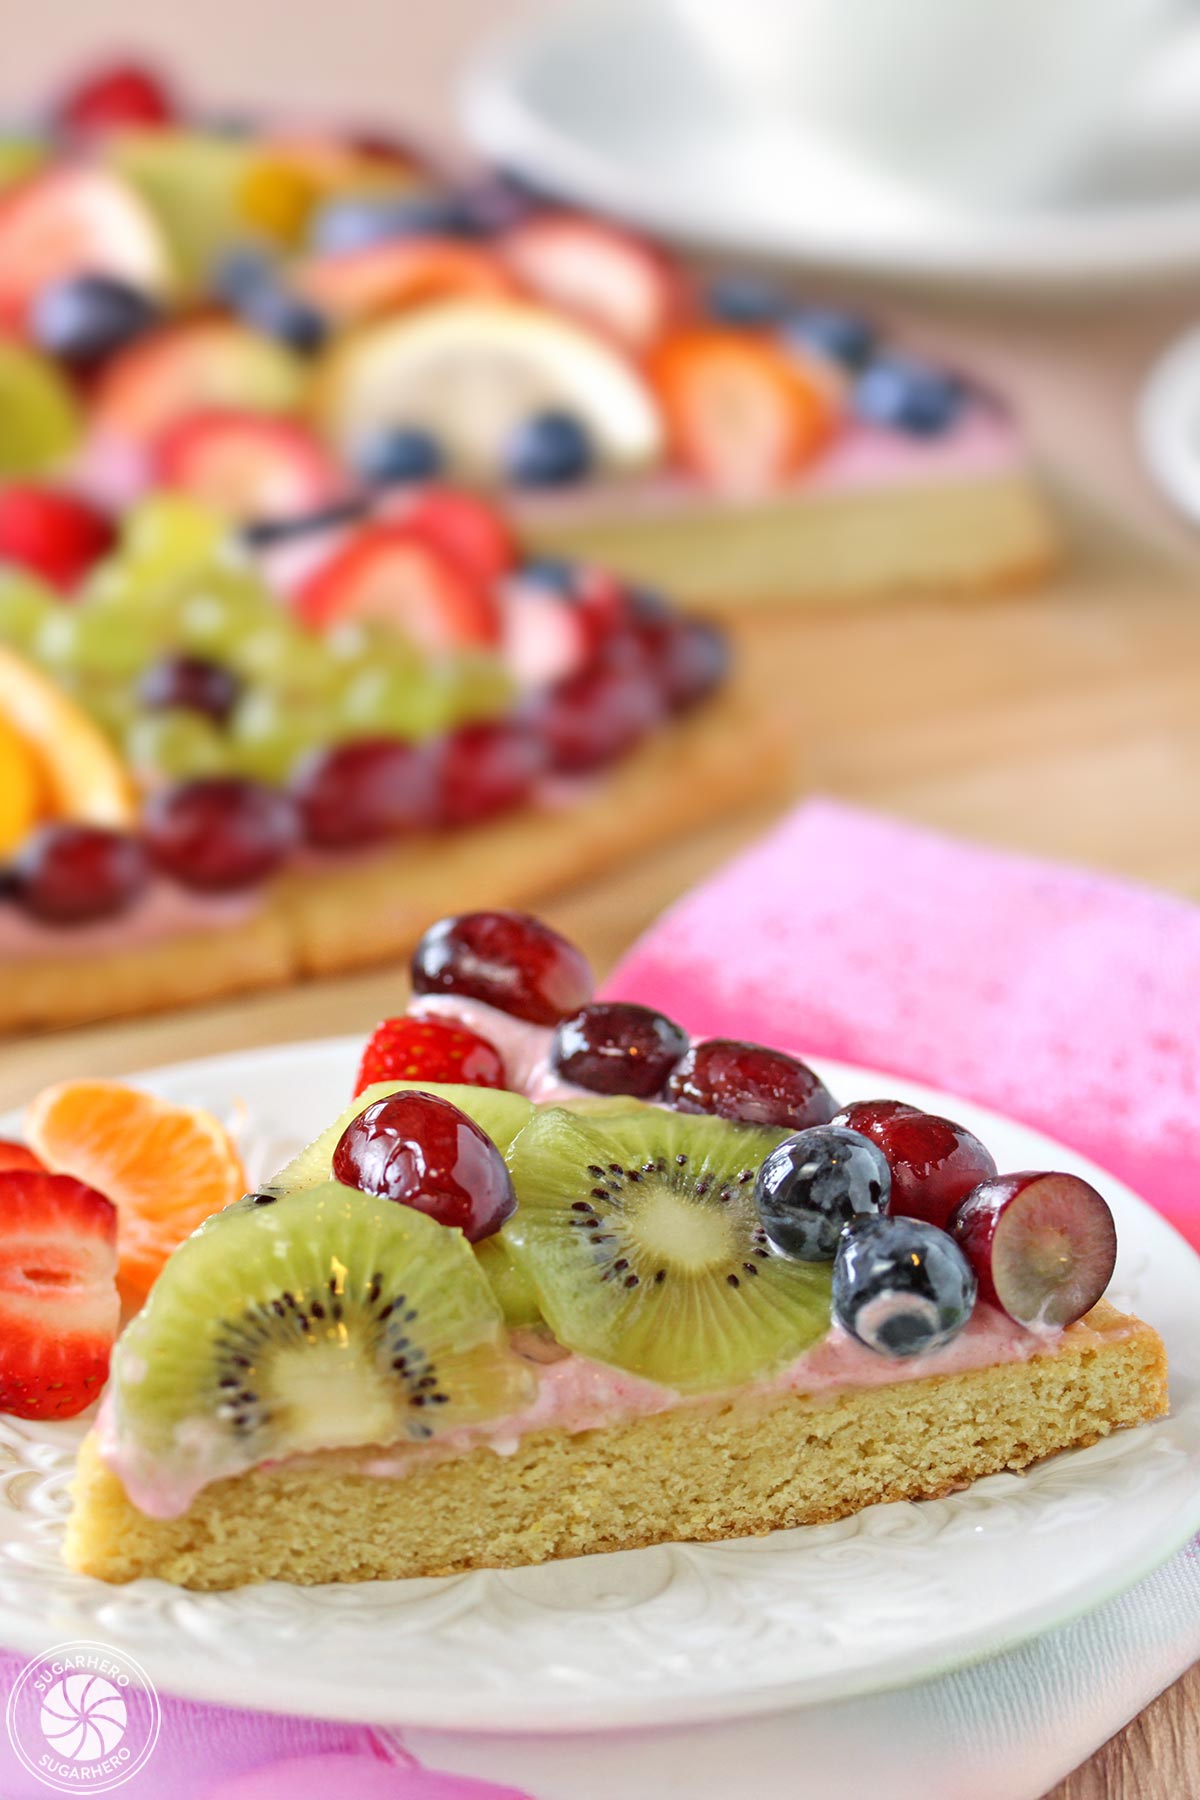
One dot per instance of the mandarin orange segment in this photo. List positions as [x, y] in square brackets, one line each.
[82, 775]
[166, 1168]
[21, 788]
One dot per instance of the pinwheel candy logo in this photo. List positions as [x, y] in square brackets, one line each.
[83, 1717]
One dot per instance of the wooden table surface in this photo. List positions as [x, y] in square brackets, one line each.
[1065, 722]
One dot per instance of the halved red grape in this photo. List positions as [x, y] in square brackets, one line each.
[689, 658]
[616, 1047]
[750, 1083]
[421, 1151]
[365, 791]
[1043, 1246]
[597, 716]
[191, 682]
[506, 959]
[220, 833]
[68, 874]
[934, 1162]
[487, 769]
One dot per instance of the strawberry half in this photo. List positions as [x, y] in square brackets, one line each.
[115, 98]
[74, 221]
[742, 413]
[471, 533]
[246, 465]
[428, 1050]
[601, 274]
[59, 536]
[59, 1309]
[384, 278]
[390, 573]
[17, 1156]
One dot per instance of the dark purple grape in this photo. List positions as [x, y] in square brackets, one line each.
[616, 1047]
[750, 1083]
[365, 792]
[220, 833]
[190, 682]
[69, 874]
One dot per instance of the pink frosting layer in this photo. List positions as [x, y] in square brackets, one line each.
[985, 443]
[161, 911]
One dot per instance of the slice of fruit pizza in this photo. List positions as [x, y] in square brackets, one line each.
[277, 320]
[559, 1281]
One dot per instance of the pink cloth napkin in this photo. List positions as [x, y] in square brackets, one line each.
[1061, 997]
[1066, 999]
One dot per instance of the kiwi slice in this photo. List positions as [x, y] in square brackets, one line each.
[640, 1234]
[495, 1110]
[336, 1319]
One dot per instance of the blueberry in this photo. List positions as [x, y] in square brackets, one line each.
[902, 1287]
[288, 317]
[401, 453]
[814, 1184]
[551, 449]
[239, 272]
[553, 572]
[909, 396]
[744, 299]
[355, 222]
[86, 318]
[842, 337]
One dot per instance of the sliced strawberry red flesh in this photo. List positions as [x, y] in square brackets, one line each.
[471, 533]
[116, 97]
[17, 1156]
[247, 465]
[59, 1309]
[59, 536]
[393, 575]
[741, 413]
[407, 1049]
[602, 274]
[1043, 1246]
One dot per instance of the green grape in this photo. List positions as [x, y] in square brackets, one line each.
[168, 535]
[25, 605]
[282, 655]
[478, 687]
[39, 417]
[113, 705]
[394, 702]
[214, 616]
[270, 732]
[176, 744]
[95, 640]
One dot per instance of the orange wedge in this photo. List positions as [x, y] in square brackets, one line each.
[82, 775]
[165, 1168]
[20, 788]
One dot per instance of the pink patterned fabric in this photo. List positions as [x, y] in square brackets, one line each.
[1066, 999]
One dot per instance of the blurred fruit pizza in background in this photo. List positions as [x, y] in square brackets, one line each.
[287, 322]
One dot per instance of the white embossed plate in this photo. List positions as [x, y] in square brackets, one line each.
[679, 1632]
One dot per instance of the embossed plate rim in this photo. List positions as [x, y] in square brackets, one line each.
[675, 1633]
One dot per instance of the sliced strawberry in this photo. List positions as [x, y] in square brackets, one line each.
[194, 367]
[428, 1050]
[473, 534]
[115, 98]
[17, 1156]
[392, 574]
[246, 465]
[58, 535]
[741, 412]
[59, 1309]
[599, 273]
[546, 635]
[74, 221]
[387, 277]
